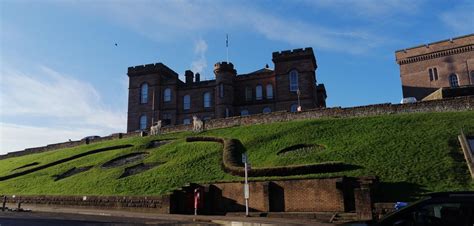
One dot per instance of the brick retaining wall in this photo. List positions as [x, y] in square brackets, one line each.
[443, 105]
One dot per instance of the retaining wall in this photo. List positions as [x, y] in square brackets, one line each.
[444, 105]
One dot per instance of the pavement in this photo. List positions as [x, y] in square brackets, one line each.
[49, 215]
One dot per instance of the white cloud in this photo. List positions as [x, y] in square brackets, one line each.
[368, 9]
[200, 63]
[168, 20]
[53, 108]
[460, 19]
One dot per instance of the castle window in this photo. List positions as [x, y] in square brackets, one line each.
[186, 121]
[244, 112]
[207, 99]
[144, 93]
[294, 108]
[267, 110]
[227, 112]
[453, 80]
[167, 95]
[269, 91]
[293, 81]
[431, 74]
[248, 94]
[166, 119]
[221, 90]
[142, 122]
[435, 73]
[472, 77]
[258, 92]
[186, 102]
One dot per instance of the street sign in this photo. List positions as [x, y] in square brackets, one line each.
[244, 158]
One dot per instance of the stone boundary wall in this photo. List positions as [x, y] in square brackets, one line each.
[158, 204]
[468, 152]
[444, 105]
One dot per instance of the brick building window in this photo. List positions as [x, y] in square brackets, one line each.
[269, 91]
[186, 121]
[248, 94]
[293, 81]
[267, 110]
[258, 92]
[186, 102]
[472, 77]
[453, 80]
[142, 122]
[207, 99]
[244, 112]
[167, 95]
[294, 108]
[144, 93]
[221, 90]
[433, 73]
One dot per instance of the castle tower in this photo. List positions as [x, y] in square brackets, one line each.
[225, 74]
[296, 70]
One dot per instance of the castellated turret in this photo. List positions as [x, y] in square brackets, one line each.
[225, 74]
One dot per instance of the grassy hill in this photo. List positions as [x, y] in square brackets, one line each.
[411, 154]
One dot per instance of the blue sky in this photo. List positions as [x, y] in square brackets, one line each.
[62, 77]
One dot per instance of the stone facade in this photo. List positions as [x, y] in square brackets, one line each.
[426, 68]
[156, 92]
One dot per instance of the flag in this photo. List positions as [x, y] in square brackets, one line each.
[226, 40]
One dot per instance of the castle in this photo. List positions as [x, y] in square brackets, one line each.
[427, 68]
[157, 93]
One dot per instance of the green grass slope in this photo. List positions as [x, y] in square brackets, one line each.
[410, 153]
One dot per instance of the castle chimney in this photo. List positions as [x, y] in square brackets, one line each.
[197, 77]
[188, 74]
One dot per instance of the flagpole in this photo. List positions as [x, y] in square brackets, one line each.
[227, 46]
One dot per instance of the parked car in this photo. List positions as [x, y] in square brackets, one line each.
[408, 100]
[437, 209]
[90, 138]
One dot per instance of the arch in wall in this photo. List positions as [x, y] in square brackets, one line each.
[453, 80]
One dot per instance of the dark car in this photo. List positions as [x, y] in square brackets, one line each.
[89, 138]
[437, 209]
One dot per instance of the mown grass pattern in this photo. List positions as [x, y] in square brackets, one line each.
[408, 152]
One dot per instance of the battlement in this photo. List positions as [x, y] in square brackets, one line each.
[150, 68]
[435, 49]
[295, 54]
[224, 66]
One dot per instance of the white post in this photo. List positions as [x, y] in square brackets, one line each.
[246, 191]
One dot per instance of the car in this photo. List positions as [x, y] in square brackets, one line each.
[436, 209]
[90, 138]
[408, 100]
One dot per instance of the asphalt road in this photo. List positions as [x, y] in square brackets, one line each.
[69, 219]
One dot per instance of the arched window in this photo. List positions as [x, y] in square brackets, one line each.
[167, 95]
[207, 99]
[293, 81]
[227, 112]
[472, 77]
[144, 93]
[142, 122]
[248, 93]
[269, 91]
[258, 92]
[294, 108]
[186, 102]
[244, 112]
[186, 121]
[453, 80]
[267, 110]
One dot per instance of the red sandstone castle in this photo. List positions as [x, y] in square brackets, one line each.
[156, 92]
[446, 67]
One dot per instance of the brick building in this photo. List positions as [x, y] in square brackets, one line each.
[156, 92]
[427, 68]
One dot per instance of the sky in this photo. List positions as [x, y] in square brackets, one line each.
[62, 76]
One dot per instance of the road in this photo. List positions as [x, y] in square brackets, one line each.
[52, 216]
